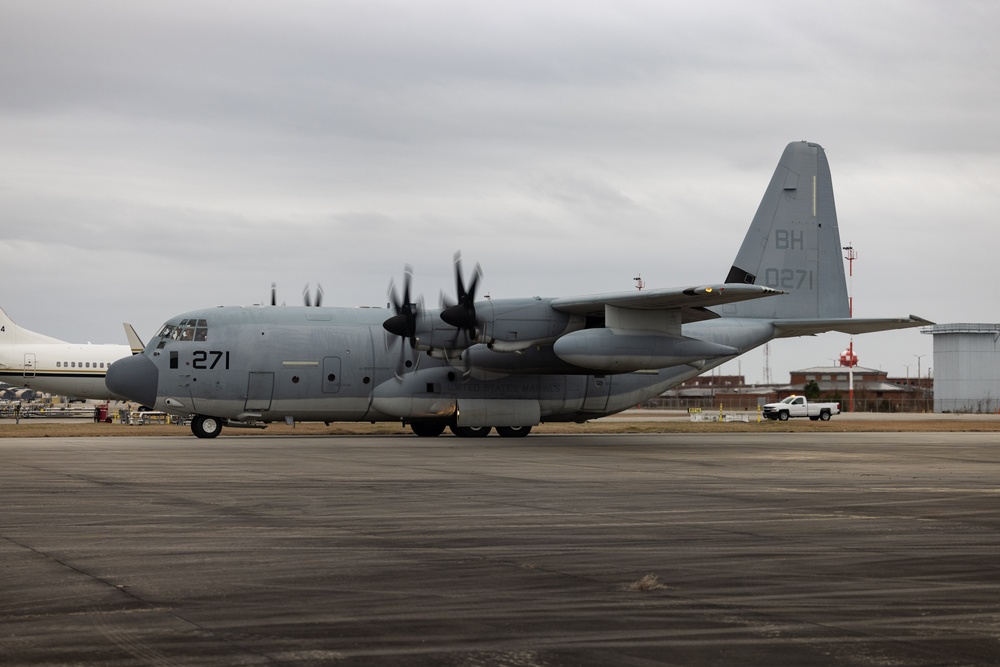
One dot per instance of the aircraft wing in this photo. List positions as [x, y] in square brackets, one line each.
[808, 327]
[692, 300]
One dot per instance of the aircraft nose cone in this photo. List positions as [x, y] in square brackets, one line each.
[134, 378]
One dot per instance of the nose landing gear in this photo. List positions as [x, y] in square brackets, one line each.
[204, 426]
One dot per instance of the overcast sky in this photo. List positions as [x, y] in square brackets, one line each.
[159, 157]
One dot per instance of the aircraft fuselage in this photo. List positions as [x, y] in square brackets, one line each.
[339, 364]
[60, 368]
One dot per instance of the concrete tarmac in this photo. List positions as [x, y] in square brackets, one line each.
[796, 549]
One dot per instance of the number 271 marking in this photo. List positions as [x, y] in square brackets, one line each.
[201, 359]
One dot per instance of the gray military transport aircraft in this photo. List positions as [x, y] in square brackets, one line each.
[507, 364]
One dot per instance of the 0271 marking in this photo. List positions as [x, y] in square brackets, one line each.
[789, 278]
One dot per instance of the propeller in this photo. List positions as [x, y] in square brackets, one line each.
[462, 315]
[305, 296]
[404, 322]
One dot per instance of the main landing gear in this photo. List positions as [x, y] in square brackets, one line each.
[430, 429]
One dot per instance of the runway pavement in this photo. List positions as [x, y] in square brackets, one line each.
[763, 549]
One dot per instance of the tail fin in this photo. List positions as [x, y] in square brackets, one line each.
[11, 334]
[134, 342]
[794, 243]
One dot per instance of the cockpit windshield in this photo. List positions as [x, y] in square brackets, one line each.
[187, 330]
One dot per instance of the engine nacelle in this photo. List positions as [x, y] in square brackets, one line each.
[624, 351]
[506, 325]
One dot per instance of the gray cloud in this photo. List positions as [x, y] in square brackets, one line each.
[160, 157]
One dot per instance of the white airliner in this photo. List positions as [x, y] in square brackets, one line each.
[43, 363]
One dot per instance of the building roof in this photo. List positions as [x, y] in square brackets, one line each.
[960, 328]
[882, 387]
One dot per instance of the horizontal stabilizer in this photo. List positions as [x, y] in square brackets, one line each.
[847, 325]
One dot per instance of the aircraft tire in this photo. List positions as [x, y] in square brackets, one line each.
[471, 431]
[206, 427]
[513, 431]
[427, 429]
[783, 416]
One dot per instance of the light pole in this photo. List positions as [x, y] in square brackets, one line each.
[920, 387]
[909, 389]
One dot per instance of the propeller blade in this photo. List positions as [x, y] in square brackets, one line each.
[307, 298]
[404, 322]
[462, 315]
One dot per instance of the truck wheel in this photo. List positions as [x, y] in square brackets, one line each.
[814, 419]
[783, 416]
[825, 415]
[206, 427]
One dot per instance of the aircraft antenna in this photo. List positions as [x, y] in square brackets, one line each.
[639, 284]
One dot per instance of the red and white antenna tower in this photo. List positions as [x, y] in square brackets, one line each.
[848, 355]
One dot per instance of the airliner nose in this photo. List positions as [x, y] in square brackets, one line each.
[134, 378]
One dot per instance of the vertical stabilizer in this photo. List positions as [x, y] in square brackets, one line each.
[11, 334]
[134, 342]
[794, 243]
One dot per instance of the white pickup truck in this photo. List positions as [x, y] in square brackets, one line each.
[798, 406]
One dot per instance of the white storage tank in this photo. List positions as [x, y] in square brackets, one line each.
[966, 367]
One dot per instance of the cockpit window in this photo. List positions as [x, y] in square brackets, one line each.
[187, 330]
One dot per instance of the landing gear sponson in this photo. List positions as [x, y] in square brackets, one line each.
[427, 429]
[204, 426]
